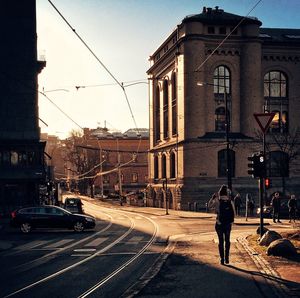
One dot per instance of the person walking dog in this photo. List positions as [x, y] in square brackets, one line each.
[224, 207]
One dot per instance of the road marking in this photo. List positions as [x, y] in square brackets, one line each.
[81, 255]
[31, 245]
[84, 249]
[136, 238]
[59, 243]
[96, 242]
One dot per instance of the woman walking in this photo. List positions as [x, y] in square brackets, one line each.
[224, 208]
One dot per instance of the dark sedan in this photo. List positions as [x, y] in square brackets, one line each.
[54, 217]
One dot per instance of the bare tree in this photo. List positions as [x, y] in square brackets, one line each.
[281, 150]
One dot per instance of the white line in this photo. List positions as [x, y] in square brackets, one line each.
[75, 264]
[96, 242]
[69, 246]
[59, 243]
[137, 255]
[80, 255]
[136, 239]
[84, 249]
[31, 245]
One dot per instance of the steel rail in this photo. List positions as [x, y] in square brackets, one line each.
[60, 272]
[127, 263]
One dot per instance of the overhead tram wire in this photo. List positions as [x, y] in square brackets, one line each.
[61, 110]
[96, 57]
[226, 37]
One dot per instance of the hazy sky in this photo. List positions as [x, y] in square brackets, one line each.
[123, 34]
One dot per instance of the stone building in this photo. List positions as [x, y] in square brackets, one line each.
[208, 78]
[21, 152]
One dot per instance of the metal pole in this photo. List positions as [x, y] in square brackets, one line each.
[228, 161]
[166, 194]
[261, 189]
[261, 222]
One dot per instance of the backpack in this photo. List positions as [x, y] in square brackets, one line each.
[226, 213]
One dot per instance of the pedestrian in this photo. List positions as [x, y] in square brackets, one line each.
[224, 208]
[250, 204]
[212, 198]
[292, 204]
[276, 204]
[237, 204]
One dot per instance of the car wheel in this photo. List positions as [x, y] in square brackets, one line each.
[78, 226]
[25, 227]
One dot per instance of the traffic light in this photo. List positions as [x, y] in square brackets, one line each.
[257, 165]
[268, 183]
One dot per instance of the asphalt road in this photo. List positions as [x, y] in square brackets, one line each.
[110, 260]
[100, 263]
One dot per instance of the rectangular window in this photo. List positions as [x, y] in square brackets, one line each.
[134, 177]
[211, 30]
[222, 30]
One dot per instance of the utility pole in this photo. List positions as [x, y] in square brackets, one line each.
[228, 157]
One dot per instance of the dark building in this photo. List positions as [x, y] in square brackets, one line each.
[21, 152]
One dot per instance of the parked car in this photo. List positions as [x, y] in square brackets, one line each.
[74, 205]
[34, 217]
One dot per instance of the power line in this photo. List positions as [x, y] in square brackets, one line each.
[61, 110]
[96, 57]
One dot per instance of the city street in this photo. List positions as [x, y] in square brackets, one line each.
[124, 254]
[66, 264]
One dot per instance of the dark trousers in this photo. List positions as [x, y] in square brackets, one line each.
[292, 214]
[223, 231]
[276, 214]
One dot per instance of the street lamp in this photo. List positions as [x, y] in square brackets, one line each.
[227, 123]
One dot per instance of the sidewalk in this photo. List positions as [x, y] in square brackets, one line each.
[190, 266]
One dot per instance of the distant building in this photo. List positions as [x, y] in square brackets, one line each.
[21, 152]
[79, 160]
[195, 79]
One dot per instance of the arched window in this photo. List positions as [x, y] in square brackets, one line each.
[156, 120]
[278, 164]
[276, 100]
[166, 108]
[155, 167]
[172, 165]
[222, 91]
[174, 104]
[163, 166]
[221, 81]
[222, 163]
[275, 84]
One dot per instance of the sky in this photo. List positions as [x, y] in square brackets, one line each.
[122, 34]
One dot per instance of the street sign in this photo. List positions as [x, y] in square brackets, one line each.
[264, 120]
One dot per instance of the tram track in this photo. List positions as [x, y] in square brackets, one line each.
[97, 253]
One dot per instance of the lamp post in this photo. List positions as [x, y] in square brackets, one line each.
[227, 125]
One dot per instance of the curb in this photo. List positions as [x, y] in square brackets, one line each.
[265, 268]
[151, 272]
